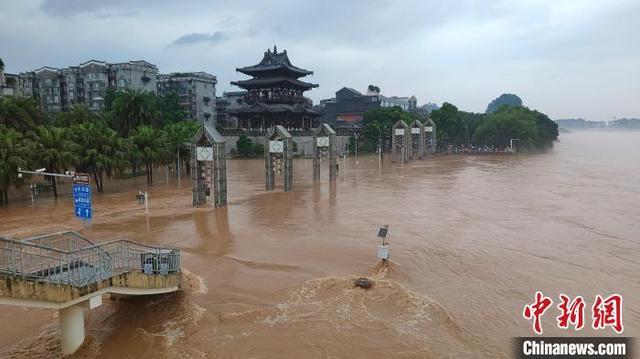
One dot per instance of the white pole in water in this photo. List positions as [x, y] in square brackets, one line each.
[72, 325]
[178, 165]
[146, 202]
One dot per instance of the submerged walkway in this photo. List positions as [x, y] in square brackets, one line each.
[68, 272]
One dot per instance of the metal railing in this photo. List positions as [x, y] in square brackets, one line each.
[69, 258]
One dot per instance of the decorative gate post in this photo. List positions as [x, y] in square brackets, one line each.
[400, 141]
[324, 139]
[278, 155]
[430, 137]
[417, 140]
[208, 166]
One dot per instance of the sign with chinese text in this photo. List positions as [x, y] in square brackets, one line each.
[82, 201]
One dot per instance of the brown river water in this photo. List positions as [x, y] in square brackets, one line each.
[269, 276]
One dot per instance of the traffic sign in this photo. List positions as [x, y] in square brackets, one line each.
[81, 178]
[82, 201]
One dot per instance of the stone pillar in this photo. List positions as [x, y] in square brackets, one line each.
[316, 160]
[423, 147]
[333, 170]
[288, 164]
[197, 183]
[219, 175]
[268, 167]
[72, 328]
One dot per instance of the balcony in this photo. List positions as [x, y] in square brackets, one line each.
[292, 100]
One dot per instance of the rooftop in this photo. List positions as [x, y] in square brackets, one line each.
[274, 61]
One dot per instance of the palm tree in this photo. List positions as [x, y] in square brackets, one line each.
[20, 113]
[13, 155]
[132, 108]
[148, 142]
[175, 135]
[79, 113]
[100, 150]
[54, 151]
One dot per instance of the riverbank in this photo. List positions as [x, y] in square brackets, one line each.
[472, 239]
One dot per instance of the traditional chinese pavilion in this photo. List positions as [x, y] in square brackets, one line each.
[275, 95]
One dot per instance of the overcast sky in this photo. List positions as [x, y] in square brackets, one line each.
[563, 57]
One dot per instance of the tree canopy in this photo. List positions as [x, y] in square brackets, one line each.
[532, 129]
[506, 99]
[134, 129]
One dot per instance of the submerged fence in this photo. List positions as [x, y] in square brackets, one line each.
[69, 258]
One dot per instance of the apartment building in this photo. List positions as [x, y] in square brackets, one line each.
[60, 89]
[9, 83]
[196, 93]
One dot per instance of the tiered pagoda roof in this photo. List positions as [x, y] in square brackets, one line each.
[275, 93]
[279, 81]
[274, 63]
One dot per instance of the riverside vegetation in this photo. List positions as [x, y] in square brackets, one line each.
[135, 130]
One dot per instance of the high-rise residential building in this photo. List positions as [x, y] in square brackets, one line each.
[60, 89]
[9, 83]
[44, 85]
[139, 75]
[196, 93]
[229, 101]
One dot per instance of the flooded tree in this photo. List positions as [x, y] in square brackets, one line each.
[13, 154]
[533, 129]
[53, 152]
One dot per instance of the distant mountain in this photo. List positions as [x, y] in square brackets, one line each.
[580, 123]
[626, 123]
[506, 99]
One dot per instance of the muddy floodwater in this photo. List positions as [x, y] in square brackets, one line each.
[269, 276]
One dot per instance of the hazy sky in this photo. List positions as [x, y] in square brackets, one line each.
[563, 57]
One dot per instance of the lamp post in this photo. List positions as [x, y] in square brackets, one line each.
[41, 171]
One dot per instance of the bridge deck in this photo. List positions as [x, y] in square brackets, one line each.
[67, 258]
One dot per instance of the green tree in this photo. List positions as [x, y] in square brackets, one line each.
[378, 122]
[170, 109]
[109, 97]
[506, 99]
[132, 108]
[13, 155]
[53, 152]
[79, 113]
[533, 129]
[244, 145]
[258, 149]
[175, 135]
[148, 142]
[100, 150]
[452, 127]
[20, 113]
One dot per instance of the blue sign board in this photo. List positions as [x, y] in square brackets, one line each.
[82, 201]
